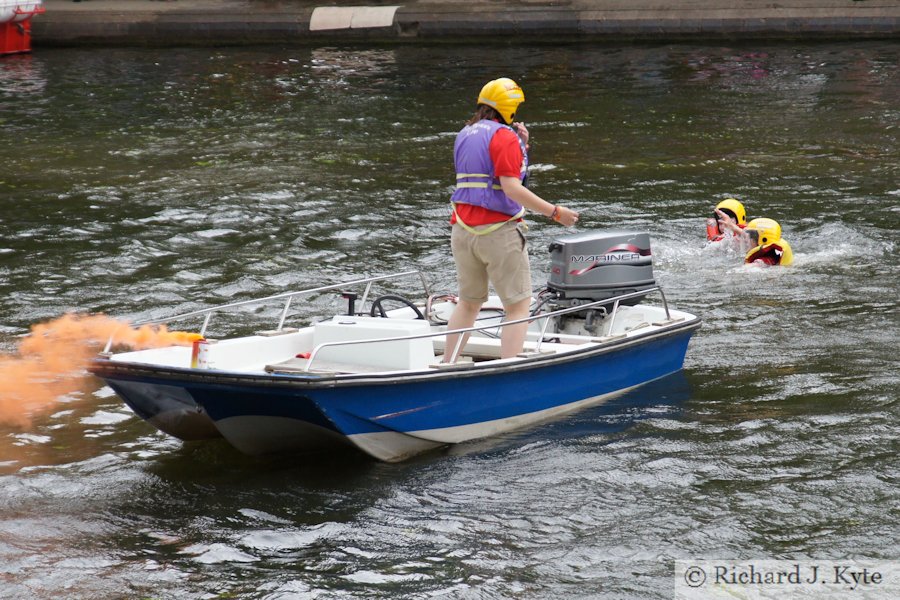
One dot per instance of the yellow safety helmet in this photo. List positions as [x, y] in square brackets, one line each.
[766, 231]
[734, 208]
[503, 95]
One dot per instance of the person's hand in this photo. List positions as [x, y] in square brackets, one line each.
[566, 216]
[723, 218]
[727, 223]
[522, 131]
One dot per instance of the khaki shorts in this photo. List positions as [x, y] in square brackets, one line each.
[498, 257]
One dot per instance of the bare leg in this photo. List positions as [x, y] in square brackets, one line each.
[463, 316]
[512, 338]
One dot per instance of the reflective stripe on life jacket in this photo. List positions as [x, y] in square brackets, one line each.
[475, 184]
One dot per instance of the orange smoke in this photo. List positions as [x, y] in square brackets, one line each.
[51, 361]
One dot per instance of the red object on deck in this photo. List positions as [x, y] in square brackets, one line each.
[15, 25]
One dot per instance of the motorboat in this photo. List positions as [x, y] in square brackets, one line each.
[380, 375]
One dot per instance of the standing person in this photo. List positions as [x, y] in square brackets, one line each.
[491, 160]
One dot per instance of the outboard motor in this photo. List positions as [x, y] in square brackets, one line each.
[597, 265]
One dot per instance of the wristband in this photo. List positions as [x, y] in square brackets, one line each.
[555, 214]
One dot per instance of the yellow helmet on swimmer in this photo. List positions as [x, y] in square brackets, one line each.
[503, 95]
[765, 230]
[734, 209]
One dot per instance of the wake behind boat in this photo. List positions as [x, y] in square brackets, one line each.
[373, 377]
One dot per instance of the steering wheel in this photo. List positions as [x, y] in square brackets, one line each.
[378, 308]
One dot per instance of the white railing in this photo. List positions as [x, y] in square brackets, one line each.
[615, 301]
[207, 313]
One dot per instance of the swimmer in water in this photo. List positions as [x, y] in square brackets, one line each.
[729, 220]
[769, 248]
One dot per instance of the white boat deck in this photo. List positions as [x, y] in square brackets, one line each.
[476, 350]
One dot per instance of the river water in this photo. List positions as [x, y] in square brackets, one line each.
[139, 183]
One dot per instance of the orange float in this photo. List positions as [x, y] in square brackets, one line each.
[15, 25]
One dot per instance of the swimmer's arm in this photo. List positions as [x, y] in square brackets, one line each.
[729, 223]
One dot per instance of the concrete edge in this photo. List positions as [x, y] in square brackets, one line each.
[185, 27]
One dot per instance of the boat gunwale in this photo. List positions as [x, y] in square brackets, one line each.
[106, 368]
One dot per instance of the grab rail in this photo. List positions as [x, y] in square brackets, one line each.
[35, 10]
[287, 296]
[615, 301]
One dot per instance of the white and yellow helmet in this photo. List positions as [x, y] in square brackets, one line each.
[503, 95]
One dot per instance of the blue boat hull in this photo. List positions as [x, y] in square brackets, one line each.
[394, 417]
[169, 408]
